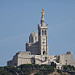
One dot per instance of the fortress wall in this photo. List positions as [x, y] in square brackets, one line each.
[13, 62]
[66, 59]
[23, 61]
[25, 58]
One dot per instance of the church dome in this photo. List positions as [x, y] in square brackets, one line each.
[33, 37]
[33, 34]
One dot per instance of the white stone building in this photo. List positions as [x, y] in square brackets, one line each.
[37, 50]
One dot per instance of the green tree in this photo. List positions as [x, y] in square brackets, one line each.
[13, 70]
[68, 68]
[53, 64]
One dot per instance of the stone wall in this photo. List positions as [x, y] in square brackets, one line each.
[66, 59]
[33, 47]
[13, 62]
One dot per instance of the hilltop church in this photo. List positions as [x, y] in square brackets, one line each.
[37, 51]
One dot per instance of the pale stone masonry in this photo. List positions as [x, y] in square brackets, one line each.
[37, 51]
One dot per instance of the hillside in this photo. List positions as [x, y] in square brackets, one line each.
[32, 69]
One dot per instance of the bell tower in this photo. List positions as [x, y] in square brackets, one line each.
[42, 36]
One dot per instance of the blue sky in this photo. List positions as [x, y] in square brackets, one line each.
[19, 17]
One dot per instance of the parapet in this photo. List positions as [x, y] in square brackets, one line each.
[69, 53]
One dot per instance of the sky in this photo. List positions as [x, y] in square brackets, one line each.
[18, 18]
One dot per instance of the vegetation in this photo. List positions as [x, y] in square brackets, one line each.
[11, 69]
[4, 72]
[61, 72]
[43, 69]
[27, 69]
[53, 64]
[69, 68]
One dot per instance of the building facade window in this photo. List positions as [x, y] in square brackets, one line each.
[42, 32]
[32, 39]
[45, 32]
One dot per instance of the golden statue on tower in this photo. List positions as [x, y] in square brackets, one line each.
[42, 12]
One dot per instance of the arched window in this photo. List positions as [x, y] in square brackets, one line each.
[42, 32]
[44, 52]
[32, 39]
[45, 32]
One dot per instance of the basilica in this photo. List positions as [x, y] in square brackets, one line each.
[37, 51]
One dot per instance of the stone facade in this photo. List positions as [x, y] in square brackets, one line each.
[67, 59]
[38, 43]
[37, 51]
